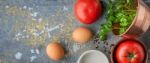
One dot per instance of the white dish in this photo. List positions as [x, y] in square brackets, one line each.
[93, 56]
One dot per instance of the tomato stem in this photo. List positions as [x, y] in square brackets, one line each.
[131, 55]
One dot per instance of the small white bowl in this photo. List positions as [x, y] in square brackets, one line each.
[93, 56]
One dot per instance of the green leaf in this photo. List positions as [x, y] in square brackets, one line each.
[111, 18]
[123, 19]
[120, 15]
[128, 1]
[122, 30]
[118, 11]
[123, 22]
[102, 37]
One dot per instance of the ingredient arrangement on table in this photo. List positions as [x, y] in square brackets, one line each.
[127, 19]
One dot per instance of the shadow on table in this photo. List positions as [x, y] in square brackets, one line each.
[147, 2]
[146, 39]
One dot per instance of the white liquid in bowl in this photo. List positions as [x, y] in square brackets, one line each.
[93, 56]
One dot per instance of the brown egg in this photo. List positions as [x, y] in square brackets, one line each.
[82, 35]
[55, 51]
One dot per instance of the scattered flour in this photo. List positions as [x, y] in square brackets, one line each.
[6, 6]
[40, 20]
[76, 47]
[53, 28]
[37, 51]
[18, 34]
[24, 7]
[18, 55]
[30, 8]
[33, 33]
[32, 58]
[34, 14]
[34, 19]
[65, 8]
[32, 51]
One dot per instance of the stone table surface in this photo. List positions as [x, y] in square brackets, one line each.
[28, 26]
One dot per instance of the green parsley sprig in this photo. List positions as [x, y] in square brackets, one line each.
[119, 11]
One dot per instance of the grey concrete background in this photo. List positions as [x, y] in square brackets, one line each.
[27, 26]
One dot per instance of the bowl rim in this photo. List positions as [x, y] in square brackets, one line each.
[91, 51]
[121, 41]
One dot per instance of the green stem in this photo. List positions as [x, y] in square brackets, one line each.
[131, 55]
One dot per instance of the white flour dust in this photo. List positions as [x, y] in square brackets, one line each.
[18, 55]
[32, 58]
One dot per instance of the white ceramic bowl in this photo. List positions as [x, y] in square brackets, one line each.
[93, 56]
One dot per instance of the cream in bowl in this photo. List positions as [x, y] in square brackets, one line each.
[93, 56]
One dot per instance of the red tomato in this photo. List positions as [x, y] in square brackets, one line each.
[88, 11]
[130, 51]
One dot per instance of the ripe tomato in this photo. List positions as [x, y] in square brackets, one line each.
[88, 11]
[130, 51]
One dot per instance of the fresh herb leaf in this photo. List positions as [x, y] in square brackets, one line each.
[119, 11]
